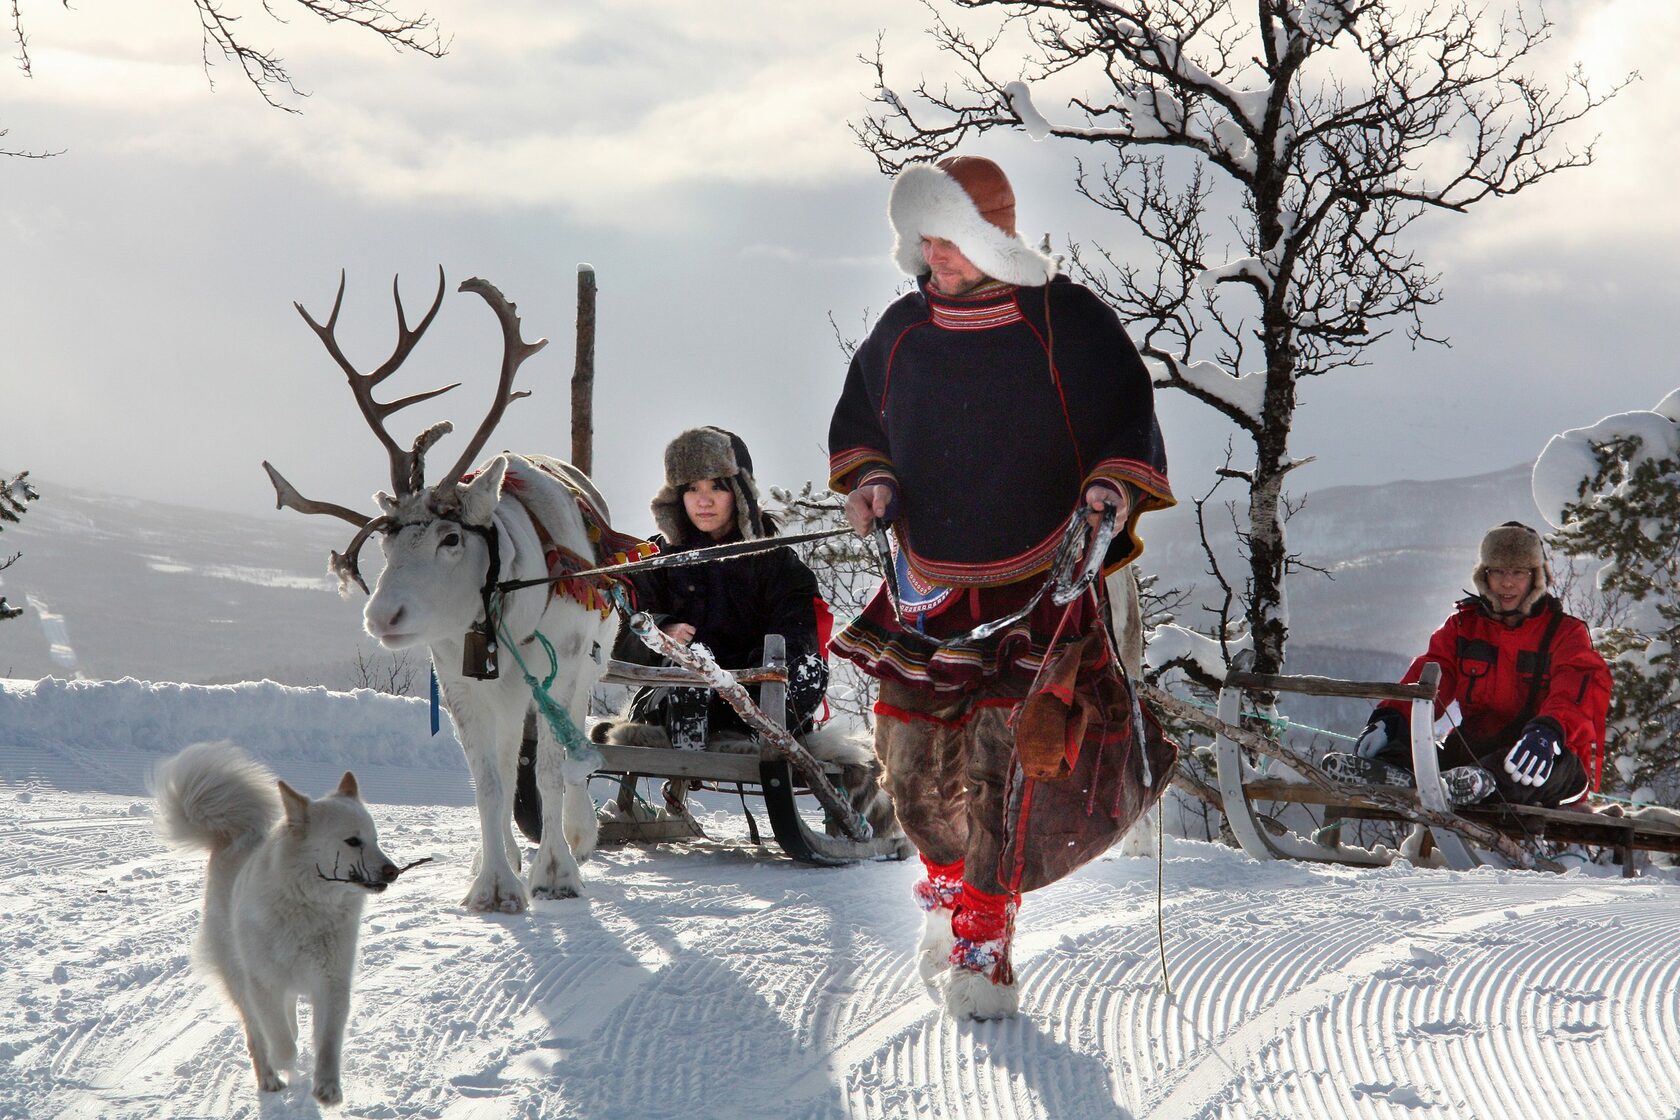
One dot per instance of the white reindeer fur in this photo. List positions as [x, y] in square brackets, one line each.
[273, 928]
[926, 202]
[429, 593]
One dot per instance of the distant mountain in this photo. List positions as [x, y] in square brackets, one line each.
[1397, 556]
[116, 587]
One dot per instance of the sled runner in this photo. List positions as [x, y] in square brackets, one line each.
[775, 766]
[1466, 836]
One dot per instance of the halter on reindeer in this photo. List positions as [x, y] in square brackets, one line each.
[447, 547]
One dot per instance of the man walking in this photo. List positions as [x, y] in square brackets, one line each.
[982, 411]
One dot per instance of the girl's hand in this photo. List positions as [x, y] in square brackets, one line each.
[681, 631]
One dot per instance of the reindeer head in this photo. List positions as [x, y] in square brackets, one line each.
[437, 540]
[438, 555]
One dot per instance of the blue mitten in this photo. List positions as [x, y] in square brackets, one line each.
[1530, 762]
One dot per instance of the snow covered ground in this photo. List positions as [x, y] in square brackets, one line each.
[720, 980]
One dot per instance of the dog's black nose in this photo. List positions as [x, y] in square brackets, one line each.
[389, 872]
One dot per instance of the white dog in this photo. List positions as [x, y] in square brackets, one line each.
[282, 897]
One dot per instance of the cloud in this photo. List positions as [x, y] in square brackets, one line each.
[1617, 200]
[603, 119]
[782, 254]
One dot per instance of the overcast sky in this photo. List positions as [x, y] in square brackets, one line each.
[697, 155]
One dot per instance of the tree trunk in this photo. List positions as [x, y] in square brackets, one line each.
[1267, 548]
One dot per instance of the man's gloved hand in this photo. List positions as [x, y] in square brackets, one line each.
[1530, 762]
[1386, 726]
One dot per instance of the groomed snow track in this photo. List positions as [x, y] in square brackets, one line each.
[718, 980]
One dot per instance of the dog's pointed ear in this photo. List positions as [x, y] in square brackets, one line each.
[297, 805]
[347, 787]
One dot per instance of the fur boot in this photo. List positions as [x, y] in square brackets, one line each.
[974, 995]
[628, 733]
[981, 983]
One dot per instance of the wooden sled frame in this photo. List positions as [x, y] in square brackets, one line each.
[767, 768]
[1433, 818]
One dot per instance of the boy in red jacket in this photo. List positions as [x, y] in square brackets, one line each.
[1531, 692]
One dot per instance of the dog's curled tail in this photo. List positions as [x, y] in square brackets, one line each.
[213, 794]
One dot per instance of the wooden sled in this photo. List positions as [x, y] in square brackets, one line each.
[1435, 822]
[764, 771]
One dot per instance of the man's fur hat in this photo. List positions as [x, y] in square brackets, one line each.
[1514, 545]
[707, 453]
[968, 201]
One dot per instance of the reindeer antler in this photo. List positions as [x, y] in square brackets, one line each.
[286, 496]
[406, 466]
[514, 352]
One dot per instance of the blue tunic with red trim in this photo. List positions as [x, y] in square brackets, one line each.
[990, 414]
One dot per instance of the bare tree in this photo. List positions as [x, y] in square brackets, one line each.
[847, 575]
[1315, 131]
[220, 35]
[396, 673]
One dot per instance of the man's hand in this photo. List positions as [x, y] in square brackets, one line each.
[1099, 497]
[865, 504]
[681, 631]
[1386, 726]
[1530, 762]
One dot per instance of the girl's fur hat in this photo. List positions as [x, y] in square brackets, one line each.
[968, 201]
[707, 453]
[1514, 545]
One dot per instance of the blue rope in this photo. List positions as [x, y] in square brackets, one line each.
[1279, 721]
[577, 745]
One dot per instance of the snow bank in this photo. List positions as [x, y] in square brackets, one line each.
[107, 735]
[345, 728]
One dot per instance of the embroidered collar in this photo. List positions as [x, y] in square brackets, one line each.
[990, 305]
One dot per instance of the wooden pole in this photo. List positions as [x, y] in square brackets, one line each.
[583, 374]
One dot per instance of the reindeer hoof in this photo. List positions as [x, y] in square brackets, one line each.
[582, 842]
[495, 898]
[555, 892]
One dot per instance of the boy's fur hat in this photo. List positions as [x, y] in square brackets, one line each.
[1514, 545]
[968, 201]
[707, 453]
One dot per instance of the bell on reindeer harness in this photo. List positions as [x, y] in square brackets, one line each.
[478, 657]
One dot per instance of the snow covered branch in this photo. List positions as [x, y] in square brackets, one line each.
[1613, 491]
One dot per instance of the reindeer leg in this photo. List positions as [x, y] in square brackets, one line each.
[492, 749]
[582, 827]
[554, 869]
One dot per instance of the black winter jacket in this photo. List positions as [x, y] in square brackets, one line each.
[731, 604]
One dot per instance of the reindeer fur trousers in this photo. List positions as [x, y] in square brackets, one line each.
[946, 759]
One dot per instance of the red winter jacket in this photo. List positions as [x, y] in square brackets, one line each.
[1488, 667]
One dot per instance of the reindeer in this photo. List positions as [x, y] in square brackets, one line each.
[446, 547]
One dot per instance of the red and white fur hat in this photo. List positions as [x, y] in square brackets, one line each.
[968, 201]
